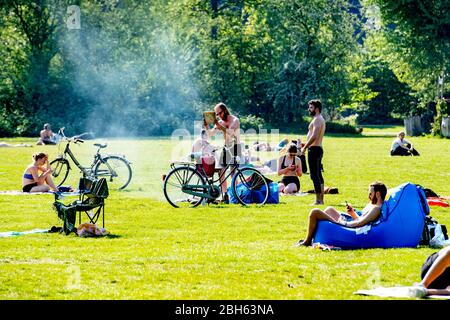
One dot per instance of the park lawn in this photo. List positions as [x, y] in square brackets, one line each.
[215, 252]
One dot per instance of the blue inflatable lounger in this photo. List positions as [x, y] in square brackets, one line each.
[400, 224]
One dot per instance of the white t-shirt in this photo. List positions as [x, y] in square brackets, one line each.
[202, 146]
[398, 143]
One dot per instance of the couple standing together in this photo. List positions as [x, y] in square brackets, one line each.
[229, 125]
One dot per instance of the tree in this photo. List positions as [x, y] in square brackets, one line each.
[417, 34]
[317, 39]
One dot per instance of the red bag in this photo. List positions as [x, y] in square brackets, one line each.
[208, 164]
[436, 201]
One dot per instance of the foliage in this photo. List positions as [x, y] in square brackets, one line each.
[442, 111]
[251, 122]
[417, 45]
[317, 38]
[340, 127]
[150, 67]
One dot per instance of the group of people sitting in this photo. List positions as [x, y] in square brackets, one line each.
[289, 164]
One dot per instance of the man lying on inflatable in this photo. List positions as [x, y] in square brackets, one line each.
[397, 222]
[371, 212]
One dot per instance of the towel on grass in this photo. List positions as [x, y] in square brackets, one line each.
[21, 193]
[8, 234]
[397, 292]
[297, 194]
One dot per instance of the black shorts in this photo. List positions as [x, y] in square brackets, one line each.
[227, 156]
[291, 179]
[28, 187]
[441, 282]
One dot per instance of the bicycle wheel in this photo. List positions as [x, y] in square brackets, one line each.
[60, 171]
[116, 170]
[249, 186]
[176, 184]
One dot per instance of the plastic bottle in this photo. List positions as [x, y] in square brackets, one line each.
[351, 211]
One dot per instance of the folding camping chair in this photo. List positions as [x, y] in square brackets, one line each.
[91, 201]
[93, 193]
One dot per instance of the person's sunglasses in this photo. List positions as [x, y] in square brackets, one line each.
[293, 154]
[219, 113]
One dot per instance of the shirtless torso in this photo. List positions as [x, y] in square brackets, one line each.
[316, 131]
[232, 130]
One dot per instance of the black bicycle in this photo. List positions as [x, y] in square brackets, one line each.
[115, 168]
[188, 184]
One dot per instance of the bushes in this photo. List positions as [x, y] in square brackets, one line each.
[251, 122]
[336, 127]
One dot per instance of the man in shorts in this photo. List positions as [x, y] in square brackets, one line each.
[229, 125]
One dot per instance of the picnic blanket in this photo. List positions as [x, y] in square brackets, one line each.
[297, 194]
[398, 292]
[8, 234]
[21, 193]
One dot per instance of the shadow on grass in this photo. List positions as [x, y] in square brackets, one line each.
[112, 236]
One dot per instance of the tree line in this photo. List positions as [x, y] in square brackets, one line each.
[120, 67]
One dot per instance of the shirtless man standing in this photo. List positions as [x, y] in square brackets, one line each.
[316, 131]
[230, 127]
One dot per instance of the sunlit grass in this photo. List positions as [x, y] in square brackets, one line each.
[216, 252]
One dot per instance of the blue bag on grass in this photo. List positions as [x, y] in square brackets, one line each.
[255, 196]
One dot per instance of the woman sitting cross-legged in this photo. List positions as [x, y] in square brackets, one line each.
[32, 181]
[290, 167]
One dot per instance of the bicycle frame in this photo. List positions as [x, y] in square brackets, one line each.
[211, 183]
[85, 170]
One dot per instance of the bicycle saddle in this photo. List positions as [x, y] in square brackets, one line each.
[100, 145]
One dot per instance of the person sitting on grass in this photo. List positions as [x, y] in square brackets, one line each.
[435, 274]
[402, 147]
[262, 146]
[32, 181]
[371, 212]
[290, 167]
[46, 136]
[283, 143]
[201, 145]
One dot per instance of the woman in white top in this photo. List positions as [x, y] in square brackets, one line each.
[402, 147]
[202, 145]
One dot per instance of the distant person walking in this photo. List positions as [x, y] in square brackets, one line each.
[402, 147]
[313, 144]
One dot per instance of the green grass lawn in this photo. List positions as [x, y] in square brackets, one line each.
[215, 252]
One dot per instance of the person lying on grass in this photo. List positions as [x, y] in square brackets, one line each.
[371, 212]
[17, 145]
[32, 181]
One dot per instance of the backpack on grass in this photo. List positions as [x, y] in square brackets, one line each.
[433, 232]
